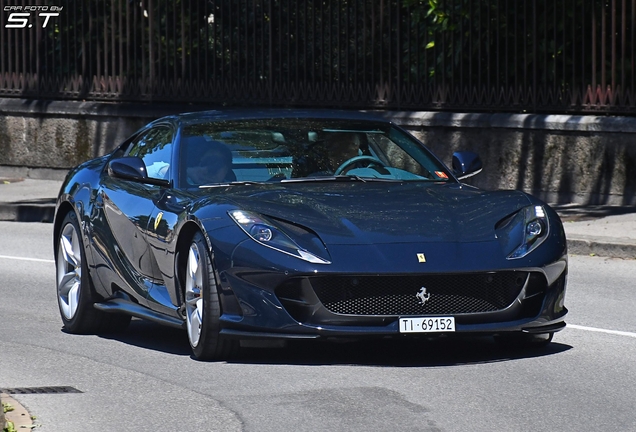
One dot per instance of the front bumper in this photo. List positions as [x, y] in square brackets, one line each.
[537, 307]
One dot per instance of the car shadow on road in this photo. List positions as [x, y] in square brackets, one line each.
[151, 336]
[442, 351]
[395, 353]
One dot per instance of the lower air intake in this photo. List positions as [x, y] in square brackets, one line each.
[419, 294]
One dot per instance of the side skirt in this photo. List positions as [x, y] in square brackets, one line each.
[120, 305]
[240, 334]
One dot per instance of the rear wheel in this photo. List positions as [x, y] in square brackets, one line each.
[202, 305]
[75, 292]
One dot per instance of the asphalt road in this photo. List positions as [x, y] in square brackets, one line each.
[145, 380]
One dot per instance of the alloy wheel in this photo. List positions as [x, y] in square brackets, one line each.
[69, 271]
[193, 295]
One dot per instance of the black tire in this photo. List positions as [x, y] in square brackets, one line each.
[522, 341]
[75, 291]
[203, 307]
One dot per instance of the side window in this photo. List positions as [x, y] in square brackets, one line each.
[155, 148]
[396, 156]
[206, 161]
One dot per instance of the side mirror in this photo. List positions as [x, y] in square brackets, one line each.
[466, 164]
[134, 169]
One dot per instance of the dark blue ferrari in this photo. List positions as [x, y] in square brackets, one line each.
[291, 224]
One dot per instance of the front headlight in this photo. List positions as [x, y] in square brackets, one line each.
[265, 232]
[523, 232]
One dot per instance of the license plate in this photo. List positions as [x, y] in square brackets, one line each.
[427, 325]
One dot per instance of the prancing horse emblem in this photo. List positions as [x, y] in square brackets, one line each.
[158, 219]
[423, 296]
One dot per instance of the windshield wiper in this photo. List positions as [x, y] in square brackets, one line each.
[325, 178]
[354, 177]
[233, 183]
[245, 182]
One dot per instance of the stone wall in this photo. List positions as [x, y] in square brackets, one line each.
[63, 134]
[561, 159]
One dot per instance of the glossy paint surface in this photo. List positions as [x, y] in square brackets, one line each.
[138, 237]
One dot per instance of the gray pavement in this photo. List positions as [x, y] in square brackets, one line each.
[608, 231]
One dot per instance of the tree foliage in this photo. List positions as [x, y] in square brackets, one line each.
[371, 44]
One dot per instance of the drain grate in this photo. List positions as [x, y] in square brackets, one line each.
[40, 390]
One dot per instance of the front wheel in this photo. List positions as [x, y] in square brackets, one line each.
[202, 305]
[75, 292]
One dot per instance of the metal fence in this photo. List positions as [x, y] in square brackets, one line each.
[499, 55]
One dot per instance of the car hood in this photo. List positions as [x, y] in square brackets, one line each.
[376, 212]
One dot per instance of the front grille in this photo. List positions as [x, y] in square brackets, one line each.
[398, 295]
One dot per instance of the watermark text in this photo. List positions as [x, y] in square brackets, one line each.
[21, 16]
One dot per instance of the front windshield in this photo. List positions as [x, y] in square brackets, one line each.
[302, 150]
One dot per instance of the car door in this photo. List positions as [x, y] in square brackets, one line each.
[124, 210]
[165, 296]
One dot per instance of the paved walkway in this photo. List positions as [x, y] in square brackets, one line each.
[16, 414]
[600, 230]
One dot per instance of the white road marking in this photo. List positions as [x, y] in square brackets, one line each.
[598, 330]
[27, 259]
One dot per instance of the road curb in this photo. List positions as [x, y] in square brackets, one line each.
[19, 416]
[614, 248]
[35, 211]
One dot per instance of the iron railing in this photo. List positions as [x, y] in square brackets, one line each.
[500, 55]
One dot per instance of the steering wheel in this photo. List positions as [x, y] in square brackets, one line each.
[347, 165]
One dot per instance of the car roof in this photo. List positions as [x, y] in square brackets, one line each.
[189, 118]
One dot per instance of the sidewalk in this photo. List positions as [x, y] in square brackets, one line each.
[608, 231]
[28, 200]
[16, 414]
